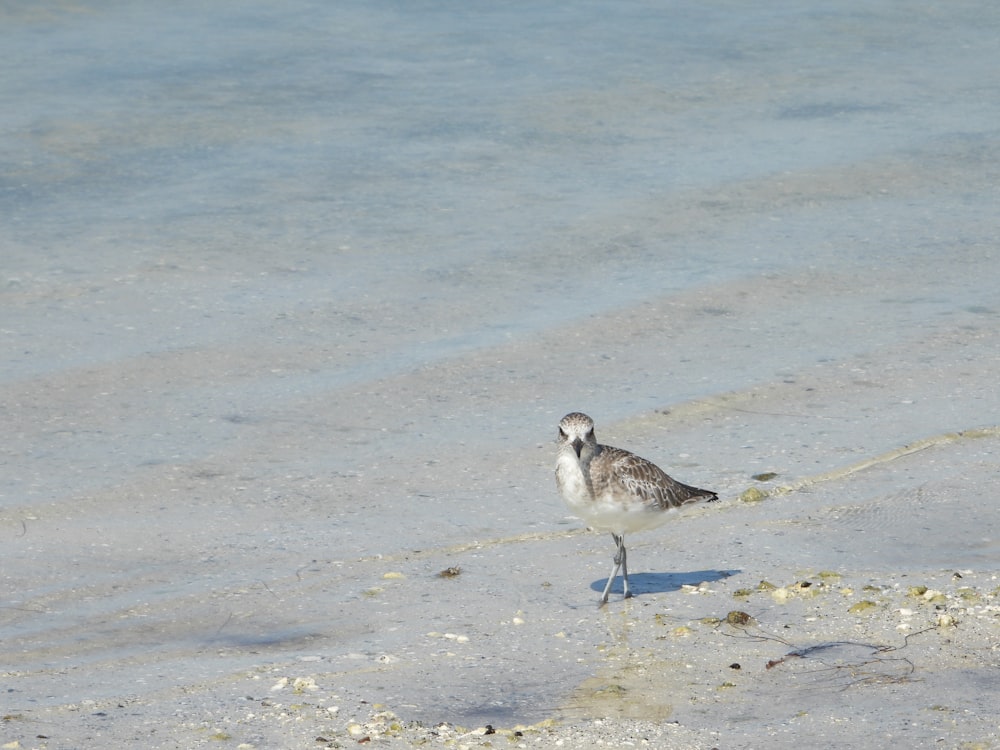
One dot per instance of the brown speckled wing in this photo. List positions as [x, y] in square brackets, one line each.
[644, 479]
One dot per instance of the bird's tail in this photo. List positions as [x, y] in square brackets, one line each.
[696, 495]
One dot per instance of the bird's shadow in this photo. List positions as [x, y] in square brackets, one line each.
[659, 583]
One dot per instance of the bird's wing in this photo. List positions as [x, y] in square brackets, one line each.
[646, 480]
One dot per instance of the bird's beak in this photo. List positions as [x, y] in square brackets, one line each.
[577, 446]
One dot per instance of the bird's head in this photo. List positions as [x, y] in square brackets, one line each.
[577, 430]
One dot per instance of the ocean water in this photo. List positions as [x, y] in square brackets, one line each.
[293, 296]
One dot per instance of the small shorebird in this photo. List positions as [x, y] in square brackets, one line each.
[613, 490]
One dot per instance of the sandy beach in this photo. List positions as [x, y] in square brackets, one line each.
[293, 297]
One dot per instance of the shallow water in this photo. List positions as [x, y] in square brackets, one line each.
[293, 298]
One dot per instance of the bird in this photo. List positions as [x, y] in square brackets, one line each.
[614, 490]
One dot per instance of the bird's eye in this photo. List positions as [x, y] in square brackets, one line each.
[590, 433]
[562, 432]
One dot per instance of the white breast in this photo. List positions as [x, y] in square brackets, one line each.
[571, 482]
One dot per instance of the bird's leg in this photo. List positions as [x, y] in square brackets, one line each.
[621, 552]
[619, 559]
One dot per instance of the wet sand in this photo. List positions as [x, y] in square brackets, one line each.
[293, 299]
